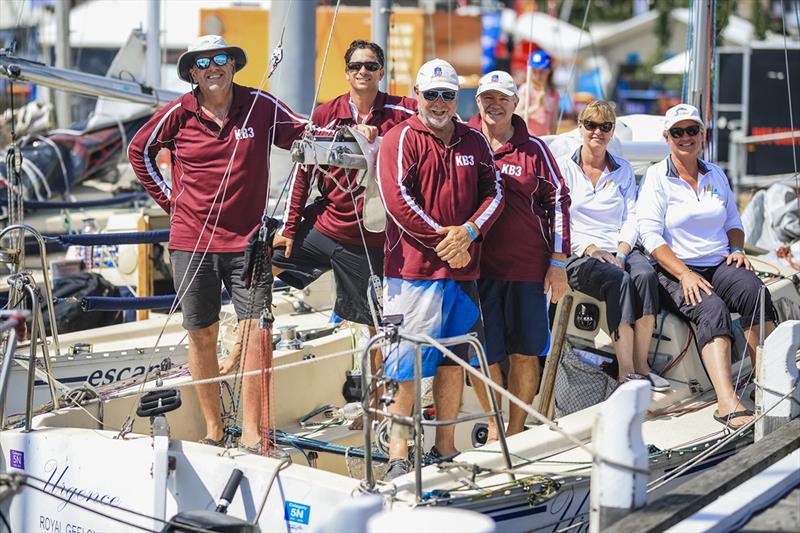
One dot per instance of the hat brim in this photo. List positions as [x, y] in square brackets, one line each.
[669, 123]
[507, 92]
[186, 60]
[443, 85]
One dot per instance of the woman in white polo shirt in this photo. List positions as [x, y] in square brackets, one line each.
[604, 263]
[689, 222]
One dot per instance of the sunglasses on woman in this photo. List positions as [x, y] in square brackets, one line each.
[591, 125]
[372, 66]
[203, 63]
[432, 94]
[691, 131]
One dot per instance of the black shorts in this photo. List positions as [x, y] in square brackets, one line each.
[314, 253]
[198, 283]
[514, 318]
[736, 290]
[629, 294]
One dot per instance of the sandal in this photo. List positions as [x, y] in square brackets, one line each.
[727, 419]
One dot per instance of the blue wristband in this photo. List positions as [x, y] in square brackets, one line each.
[737, 250]
[623, 256]
[471, 231]
[557, 263]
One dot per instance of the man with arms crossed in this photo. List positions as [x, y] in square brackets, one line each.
[219, 136]
[442, 192]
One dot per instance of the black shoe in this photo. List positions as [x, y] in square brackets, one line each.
[435, 456]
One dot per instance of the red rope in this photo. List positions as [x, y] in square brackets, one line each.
[266, 421]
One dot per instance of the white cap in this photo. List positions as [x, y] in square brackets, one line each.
[497, 80]
[682, 112]
[437, 74]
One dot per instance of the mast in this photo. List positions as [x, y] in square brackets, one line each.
[380, 32]
[700, 61]
[153, 58]
[63, 100]
[294, 81]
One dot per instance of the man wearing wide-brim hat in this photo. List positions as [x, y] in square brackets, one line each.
[219, 136]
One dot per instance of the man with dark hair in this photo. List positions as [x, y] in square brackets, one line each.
[219, 136]
[329, 234]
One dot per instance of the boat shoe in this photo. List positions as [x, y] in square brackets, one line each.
[657, 383]
[396, 468]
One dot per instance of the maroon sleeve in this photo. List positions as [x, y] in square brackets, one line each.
[289, 126]
[396, 174]
[490, 186]
[554, 197]
[156, 134]
[296, 201]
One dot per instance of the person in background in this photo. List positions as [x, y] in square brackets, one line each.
[442, 193]
[605, 263]
[541, 95]
[518, 272]
[690, 224]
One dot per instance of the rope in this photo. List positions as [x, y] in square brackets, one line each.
[116, 303]
[789, 91]
[114, 200]
[108, 239]
[324, 61]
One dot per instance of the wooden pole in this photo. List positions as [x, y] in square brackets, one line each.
[144, 269]
[544, 401]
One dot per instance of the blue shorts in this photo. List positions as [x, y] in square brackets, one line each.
[440, 308]
[516, 318]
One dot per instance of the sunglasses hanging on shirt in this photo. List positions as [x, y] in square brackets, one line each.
[432, 94]
[591, 125]
[203, 63]
[372, 66]
[691, 131]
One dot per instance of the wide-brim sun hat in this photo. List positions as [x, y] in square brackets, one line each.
[209, 43]
[682, 112]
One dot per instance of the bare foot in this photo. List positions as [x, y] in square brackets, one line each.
[231, 361]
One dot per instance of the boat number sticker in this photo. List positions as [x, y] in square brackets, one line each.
[17, 459]
[296, 512]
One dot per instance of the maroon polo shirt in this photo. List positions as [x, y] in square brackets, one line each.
[535, 221]
[427, 185]
[336, 214]
[208, 204]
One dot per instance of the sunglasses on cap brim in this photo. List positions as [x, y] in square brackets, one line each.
[372, 66]
[432, 94]
[591, 125]
[691, 131]
[202, 63]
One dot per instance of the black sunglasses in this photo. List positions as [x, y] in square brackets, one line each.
[203, 63]
[432, 94]
[591, 125]
[372, 66]
[677, 133]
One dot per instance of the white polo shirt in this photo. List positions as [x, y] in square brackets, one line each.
[604, 214]
[694, 225]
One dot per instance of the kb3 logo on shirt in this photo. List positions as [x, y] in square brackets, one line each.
[465, 160]
[244, 133]
[511, 170]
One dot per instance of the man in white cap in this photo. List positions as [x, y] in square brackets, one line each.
[518, 272]
[219, 136]
[442, 193]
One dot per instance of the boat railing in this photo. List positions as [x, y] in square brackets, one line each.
[19, 266]
[393, 334]
[12, 319]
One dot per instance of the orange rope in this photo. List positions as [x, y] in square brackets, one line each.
[267, 394]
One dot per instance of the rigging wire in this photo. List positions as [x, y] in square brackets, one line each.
[789, 91]
[572, 69]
